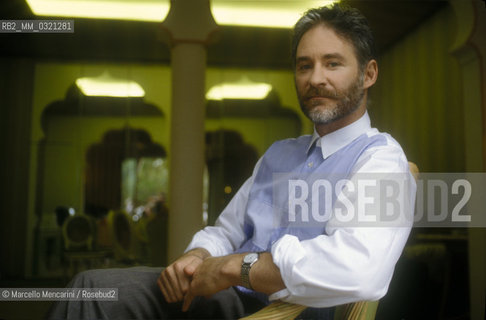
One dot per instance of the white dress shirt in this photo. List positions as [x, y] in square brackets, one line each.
[349, 262]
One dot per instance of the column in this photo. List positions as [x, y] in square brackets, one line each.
[188, 29]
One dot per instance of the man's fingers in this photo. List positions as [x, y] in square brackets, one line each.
[184, 283]
[175, 280]
[175, 284]
[182, 280]
[170, 283]
[169, 292]
[162, 288]
[187, 301]
[186, 272]
[191, 267]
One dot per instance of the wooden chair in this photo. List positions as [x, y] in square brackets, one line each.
[361, 310]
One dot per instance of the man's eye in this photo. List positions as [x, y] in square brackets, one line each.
[333, 64]
[303, 67]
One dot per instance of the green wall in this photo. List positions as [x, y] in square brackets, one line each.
[68, 137]
[418, 96]
[57, 169]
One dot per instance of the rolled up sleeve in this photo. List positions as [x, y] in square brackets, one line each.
[349, 262]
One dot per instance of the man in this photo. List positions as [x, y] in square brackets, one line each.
[266, 244]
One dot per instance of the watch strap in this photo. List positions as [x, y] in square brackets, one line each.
[245, 272]
[245, 275]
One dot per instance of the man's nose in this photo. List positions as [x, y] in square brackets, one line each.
[318, 77]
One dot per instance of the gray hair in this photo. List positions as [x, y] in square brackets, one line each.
[347, 22]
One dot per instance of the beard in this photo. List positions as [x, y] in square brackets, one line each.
[343, 102]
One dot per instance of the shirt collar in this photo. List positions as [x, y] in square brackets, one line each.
[332, 142]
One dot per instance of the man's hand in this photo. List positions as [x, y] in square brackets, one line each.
[174, 280]
[198, 274]
[212, 276]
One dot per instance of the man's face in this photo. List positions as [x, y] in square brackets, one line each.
[327, 77]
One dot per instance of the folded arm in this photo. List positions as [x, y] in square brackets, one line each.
[355, 261]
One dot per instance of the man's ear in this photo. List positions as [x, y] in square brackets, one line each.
[370, 74]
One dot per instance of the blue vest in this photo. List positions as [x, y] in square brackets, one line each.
[267, 216]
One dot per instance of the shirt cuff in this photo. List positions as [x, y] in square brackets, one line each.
[279, 295]
[201, 242]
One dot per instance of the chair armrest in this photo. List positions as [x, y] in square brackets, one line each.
[362, 310]
[277, 310]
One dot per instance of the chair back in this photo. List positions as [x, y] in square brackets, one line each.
[78, 232]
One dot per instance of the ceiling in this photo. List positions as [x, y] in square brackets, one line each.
[249, 47]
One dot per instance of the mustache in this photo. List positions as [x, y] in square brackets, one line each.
[321, 92]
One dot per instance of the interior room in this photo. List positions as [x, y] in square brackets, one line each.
[125, 135]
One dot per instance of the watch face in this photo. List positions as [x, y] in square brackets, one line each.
[249, 258]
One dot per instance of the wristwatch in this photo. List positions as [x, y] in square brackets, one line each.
[248, 261]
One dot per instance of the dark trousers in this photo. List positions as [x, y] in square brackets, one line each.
[139, 297]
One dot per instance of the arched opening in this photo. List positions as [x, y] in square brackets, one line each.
[115, 166]
[90, 146]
